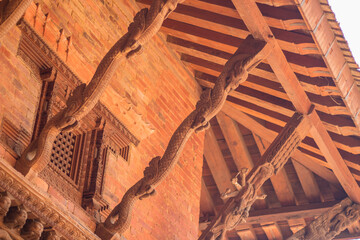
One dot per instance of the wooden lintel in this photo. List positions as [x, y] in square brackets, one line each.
[257, 25]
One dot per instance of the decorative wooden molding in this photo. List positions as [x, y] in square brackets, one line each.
[331, 223]
[249, 54]
[236, 209]
[39, 205]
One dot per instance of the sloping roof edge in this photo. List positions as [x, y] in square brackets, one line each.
[337, 56]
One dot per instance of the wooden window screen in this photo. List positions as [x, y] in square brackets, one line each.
[64, 155]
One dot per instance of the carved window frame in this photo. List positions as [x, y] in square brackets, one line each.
[111, 135]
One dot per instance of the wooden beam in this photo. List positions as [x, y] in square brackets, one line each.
[286, 213]
[272, 231]
[254, 94]
[257, 25]
[216, 162]
[296, 224]
[319, 167]
[246, 234]
[306, 177]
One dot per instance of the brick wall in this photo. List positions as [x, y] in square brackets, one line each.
[150, 94]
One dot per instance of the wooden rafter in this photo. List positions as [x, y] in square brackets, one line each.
[318, 167]
[257, 25]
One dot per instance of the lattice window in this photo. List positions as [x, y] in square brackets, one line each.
[62, 154]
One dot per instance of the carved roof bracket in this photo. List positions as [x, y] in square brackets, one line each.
[331, 223]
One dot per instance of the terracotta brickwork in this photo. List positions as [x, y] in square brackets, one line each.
[150, 94]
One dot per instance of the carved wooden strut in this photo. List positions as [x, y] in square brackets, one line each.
[146, 24]
[239, 202]
[10, 13]
[331, 223]
[211, 101]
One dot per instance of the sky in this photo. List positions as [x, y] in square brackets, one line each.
[347, 13]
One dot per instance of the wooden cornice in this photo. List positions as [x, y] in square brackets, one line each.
[257, 25]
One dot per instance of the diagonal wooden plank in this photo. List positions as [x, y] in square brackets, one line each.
[257, 25]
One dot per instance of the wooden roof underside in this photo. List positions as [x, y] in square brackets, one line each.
[205, 33]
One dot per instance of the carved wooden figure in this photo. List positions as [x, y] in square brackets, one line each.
[331, 223]
[236, 70]
[10, 13]
[237, 208]
[146, 24]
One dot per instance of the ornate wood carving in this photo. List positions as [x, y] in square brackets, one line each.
[27, 199]
[239, 202]
[71, 162]
[331, 223]
[10, 13]
[235, 71]
[146, 24]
